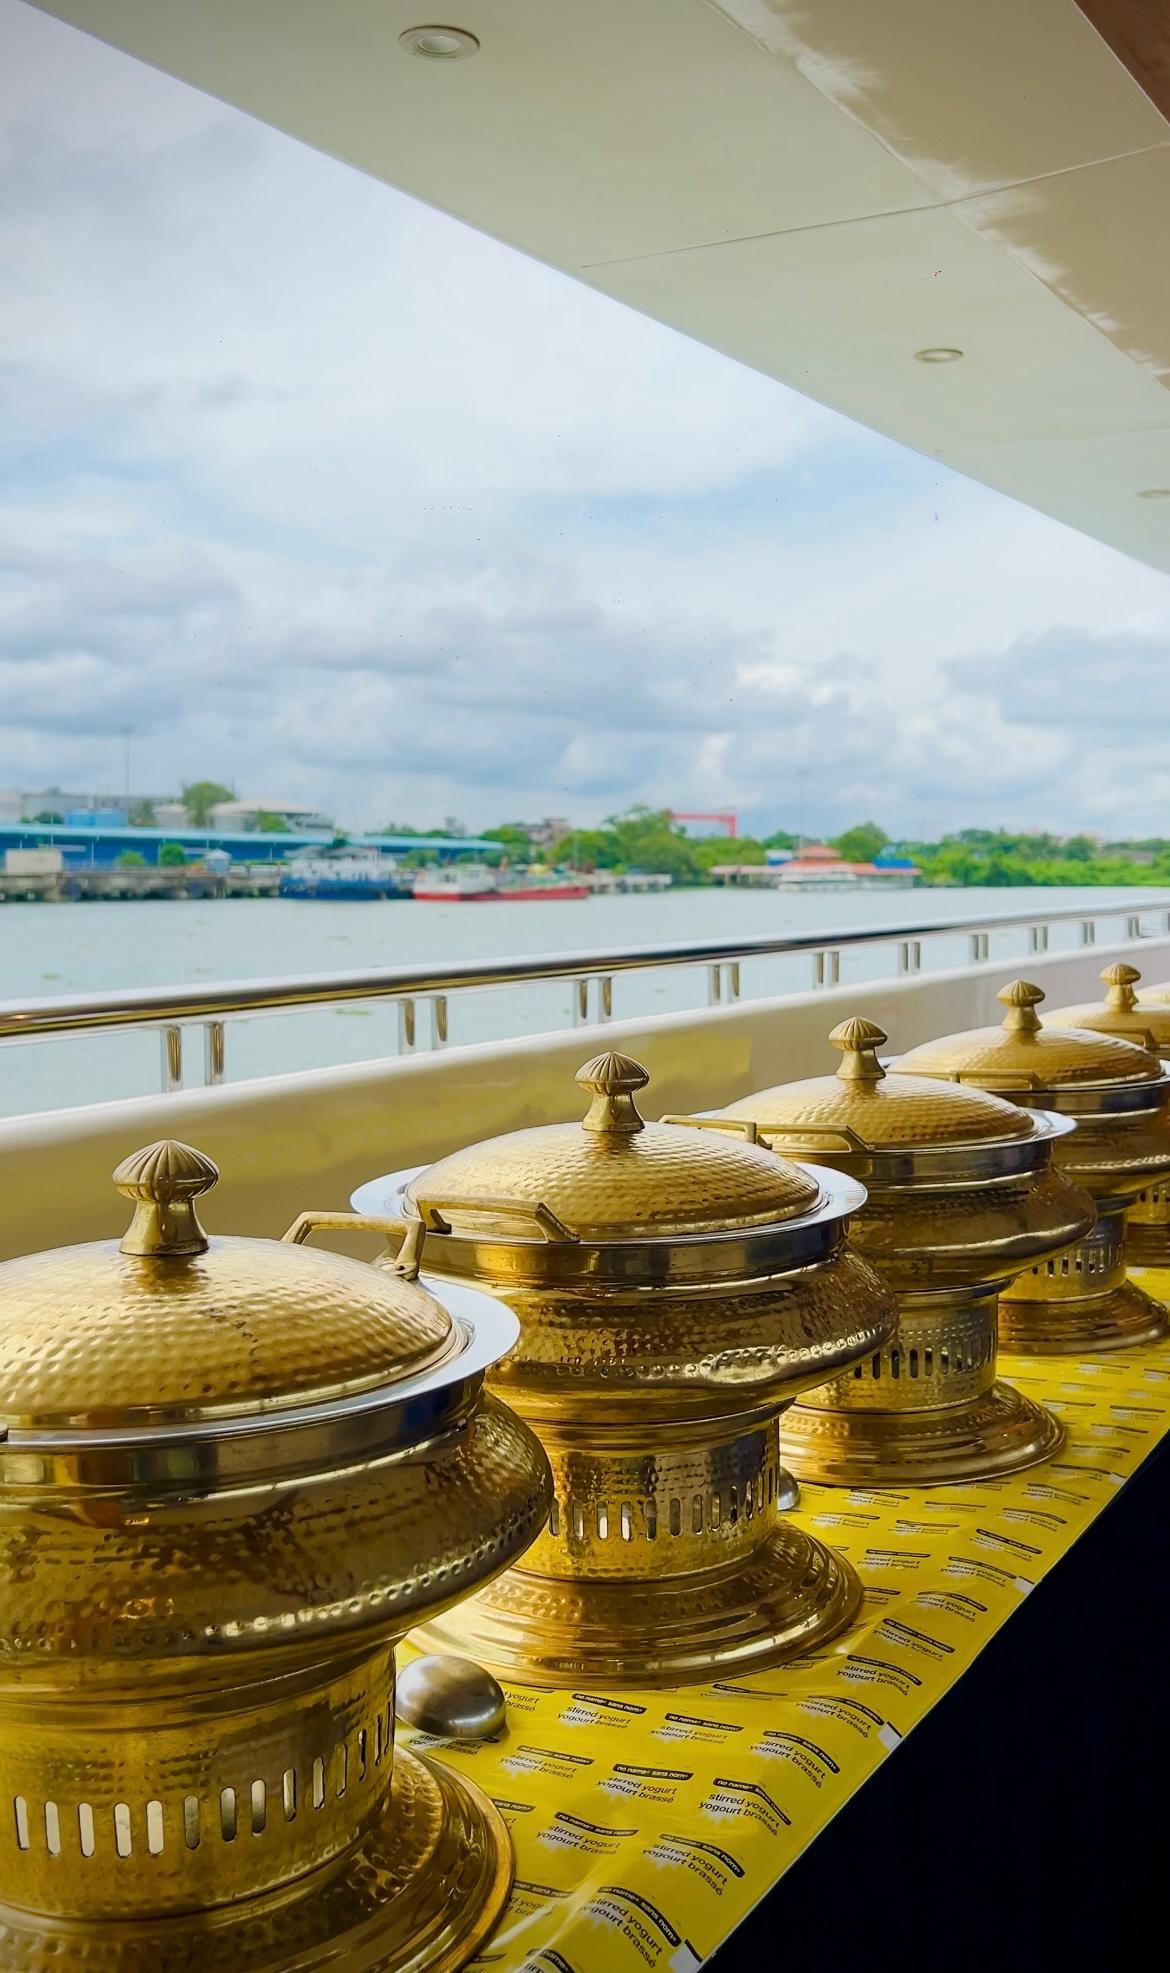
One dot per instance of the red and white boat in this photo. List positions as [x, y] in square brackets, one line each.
[480, 886]
[527, 892]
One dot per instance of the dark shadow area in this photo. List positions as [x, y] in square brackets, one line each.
[1023, 1824]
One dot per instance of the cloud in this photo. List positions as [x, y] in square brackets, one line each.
[321, 493]
[1074, 681]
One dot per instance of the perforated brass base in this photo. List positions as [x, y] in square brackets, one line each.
[999, 1431]
[1118, 1320]
[788, 1594]
[421, 1893]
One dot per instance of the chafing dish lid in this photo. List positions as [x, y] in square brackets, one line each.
[611, 1177]
[1121, 1012]
[861, 1108]
[170, 1327]
[1022, 1054]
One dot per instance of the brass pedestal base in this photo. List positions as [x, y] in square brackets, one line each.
[999, 1431]
[788, 1594]
[1118, 1320]
[1081, 1301]
[420, 1893]
[1147, 1244]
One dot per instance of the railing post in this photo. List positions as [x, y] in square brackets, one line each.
[168, 1011]
[213, 1053]
[722, 981]
[604, 998]
[171, 1039]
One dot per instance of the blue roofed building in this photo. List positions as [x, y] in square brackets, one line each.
[96, 844]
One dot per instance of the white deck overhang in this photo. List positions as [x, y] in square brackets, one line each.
[821, 190]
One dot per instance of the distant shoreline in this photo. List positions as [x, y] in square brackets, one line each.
[190, 887]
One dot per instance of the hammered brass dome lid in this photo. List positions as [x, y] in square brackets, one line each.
[170, 1327]
[1022, 1054]
[613, 1176]
[1157, 995]
[873, 1111]
[1121, 1012]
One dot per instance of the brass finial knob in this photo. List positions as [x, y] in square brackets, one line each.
[164, 1180]
[612, 1080]
[1121, 980]
[1021, 998]
[859, 1041]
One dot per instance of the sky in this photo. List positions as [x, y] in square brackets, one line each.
[314, 491]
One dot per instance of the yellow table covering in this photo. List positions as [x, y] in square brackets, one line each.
[648, 1824]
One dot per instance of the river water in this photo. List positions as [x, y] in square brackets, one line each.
[80, 948]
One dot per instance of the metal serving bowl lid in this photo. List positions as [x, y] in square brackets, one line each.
[862, 1109]
[171, 1328]
[1023, 1055]
[612, 1177]
[1121, 1012]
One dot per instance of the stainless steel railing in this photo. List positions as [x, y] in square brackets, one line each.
[592, 974]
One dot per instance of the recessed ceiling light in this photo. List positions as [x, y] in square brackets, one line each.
[1154, 493]
[937, 355]
[439, 44]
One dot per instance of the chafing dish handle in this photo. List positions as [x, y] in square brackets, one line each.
[434, 1217]
[412, 1233]
[738, 1126]
[840, 1138]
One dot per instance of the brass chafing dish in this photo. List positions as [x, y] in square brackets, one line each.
[1116, 1092]
[675, 1292]
[961, 1195]
[1147, 1225]
[232, 1474]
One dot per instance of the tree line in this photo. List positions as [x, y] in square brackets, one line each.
[646, 839]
